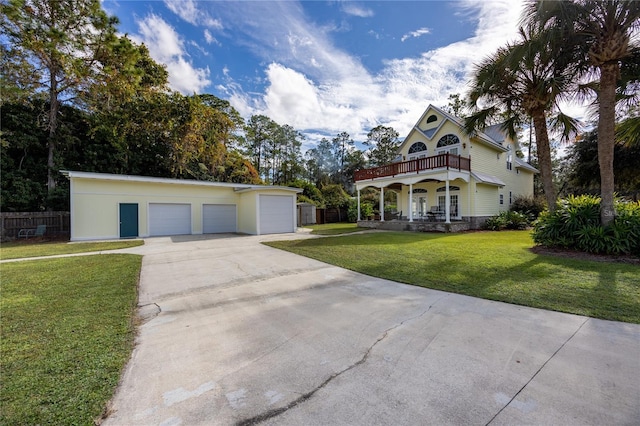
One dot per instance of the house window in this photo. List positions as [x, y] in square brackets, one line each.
[432, 118]
[510, 198]
[448, 144]
[501, 199]
[509, 159]
[417, 150]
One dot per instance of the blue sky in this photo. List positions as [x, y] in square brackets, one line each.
[322, 67]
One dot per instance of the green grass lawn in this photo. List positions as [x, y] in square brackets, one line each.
[490, 265]
[66, 333]
[20, 249]
[334, 228]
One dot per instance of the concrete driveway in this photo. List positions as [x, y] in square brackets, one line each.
[235, 332]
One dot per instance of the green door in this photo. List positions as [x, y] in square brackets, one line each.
[128, 220]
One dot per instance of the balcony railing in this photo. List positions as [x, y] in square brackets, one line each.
[441, 161]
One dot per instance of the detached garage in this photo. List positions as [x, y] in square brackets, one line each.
[107, 206]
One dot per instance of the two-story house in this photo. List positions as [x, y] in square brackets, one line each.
[444, 175]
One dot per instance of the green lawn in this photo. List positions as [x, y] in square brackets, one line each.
[334, 228]
[66, 333]
[20, 249]
[490, 265]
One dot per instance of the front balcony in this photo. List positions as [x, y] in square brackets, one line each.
[436, 162]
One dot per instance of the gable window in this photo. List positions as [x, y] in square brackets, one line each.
[432, 118]
[448, 144]
[417, 150]
[509, 158]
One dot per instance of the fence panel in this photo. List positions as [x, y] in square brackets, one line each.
[58, 223]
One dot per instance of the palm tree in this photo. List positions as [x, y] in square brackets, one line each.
[602, 31]
[519, 80]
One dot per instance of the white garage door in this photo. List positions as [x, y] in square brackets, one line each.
[169, 219]
[276, 214]
[218, 218]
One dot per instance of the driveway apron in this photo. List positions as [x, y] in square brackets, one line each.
[236, 332]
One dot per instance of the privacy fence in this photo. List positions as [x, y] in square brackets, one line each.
[12, 222]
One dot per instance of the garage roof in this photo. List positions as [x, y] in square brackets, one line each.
[129, 178]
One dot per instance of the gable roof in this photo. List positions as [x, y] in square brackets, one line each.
[494, 139]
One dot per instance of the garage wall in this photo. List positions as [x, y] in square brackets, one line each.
[95, 204]
[248, 213]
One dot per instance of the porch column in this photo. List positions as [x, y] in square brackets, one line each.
[359, 204]
[410, 202]
[447, 202]
[381, 204]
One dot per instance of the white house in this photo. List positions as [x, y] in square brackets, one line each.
[444, 175]
[108, 206]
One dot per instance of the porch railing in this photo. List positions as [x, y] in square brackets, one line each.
[441, 161]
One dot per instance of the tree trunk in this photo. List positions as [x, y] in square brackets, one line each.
[54, 107]
[544, 158]
[606, 139]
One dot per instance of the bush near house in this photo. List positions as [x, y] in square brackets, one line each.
[507, 220]
[575, 224]
[366, 210]
[528, 205]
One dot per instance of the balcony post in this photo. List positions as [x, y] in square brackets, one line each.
[410, 202]
[447, 201]
[381, 204]
[359, 219]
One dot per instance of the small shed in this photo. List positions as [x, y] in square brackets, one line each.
[306, 214]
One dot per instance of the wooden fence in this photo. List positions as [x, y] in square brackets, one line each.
[12, 222]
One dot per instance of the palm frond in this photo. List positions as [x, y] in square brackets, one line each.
[628, 131]
[565, 125]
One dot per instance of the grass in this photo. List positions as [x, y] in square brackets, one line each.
[66, 333]
[334, 228]
[491, 265]
[18, 250]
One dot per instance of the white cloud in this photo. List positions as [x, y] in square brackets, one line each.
[188, 10]
[417, 33]
[166, 46]
[321, 90]
[209, 38]
[354, 9]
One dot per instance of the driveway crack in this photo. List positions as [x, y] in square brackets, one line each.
[537, 372]
[304, 397]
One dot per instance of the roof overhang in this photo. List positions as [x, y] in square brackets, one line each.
[487, 179]
[237, 187]
[525, 166]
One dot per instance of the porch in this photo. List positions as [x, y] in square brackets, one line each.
[416, 225]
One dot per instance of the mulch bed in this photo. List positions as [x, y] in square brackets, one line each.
[574, 254]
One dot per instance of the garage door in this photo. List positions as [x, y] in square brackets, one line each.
[169, 219]
[218, 218]
[276, 214]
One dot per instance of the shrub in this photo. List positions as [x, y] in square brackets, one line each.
[575, 224]
[529, 206]
[366, 210]
[507, 220]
